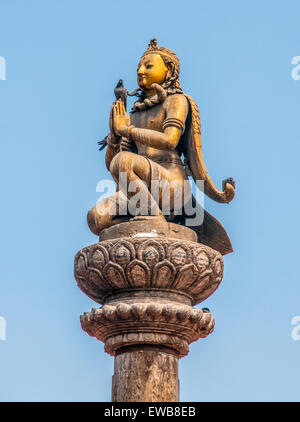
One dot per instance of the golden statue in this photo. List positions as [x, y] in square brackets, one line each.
[147, 144]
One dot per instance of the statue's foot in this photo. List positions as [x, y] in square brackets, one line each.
[105, 213]
[97, 222]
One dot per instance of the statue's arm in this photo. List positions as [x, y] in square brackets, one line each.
[109, 155]
[166, 140]
[176, 110]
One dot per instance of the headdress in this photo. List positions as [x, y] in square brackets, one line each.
[153, 48]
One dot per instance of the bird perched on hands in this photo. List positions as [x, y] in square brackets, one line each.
[121, 93]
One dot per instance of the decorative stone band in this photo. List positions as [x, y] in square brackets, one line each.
[166, 324]
[142, 262]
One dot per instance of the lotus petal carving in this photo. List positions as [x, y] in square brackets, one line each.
[160, 263]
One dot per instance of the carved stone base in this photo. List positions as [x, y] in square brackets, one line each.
[145, 260]
[148, 283]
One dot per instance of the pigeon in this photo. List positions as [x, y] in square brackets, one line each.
[205, 310]
[121, 92]
[230, 181]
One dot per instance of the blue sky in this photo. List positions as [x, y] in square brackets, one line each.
[63, 60]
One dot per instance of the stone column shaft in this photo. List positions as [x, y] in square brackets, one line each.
[145, 374]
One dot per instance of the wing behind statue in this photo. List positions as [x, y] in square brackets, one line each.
[211, 232]
[192, 150]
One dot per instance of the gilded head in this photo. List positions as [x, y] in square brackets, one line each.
[159, 65]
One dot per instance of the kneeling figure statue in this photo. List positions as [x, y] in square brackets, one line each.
[145, 148]
[152, 264]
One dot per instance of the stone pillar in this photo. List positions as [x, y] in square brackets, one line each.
[147, 277]
[145, 373]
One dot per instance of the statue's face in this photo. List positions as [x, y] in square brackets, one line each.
[152, 69]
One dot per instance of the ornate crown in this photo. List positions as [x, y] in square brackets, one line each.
[163, 51]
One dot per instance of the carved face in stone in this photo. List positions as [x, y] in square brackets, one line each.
[151, 69]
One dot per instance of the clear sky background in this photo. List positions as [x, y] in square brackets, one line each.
[63, 61]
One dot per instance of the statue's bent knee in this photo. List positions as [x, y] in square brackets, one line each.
[122, 162]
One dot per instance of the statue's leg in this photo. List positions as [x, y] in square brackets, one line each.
[144, 174]
[135, 170]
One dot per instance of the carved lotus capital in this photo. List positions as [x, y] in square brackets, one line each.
[143, 263]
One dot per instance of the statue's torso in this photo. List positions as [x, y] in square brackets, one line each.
[153, 118]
